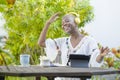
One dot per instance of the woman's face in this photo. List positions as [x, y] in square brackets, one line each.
[68, 23]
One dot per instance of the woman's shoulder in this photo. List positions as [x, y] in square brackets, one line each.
[90, 39]
[58, 41]
[61, 39]
[57, 38]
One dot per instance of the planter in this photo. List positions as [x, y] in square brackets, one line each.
[11, 1]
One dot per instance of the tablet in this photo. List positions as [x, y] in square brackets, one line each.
[77, 60]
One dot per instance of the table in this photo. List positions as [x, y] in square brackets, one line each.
[52, 72]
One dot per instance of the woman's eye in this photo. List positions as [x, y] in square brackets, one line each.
[64, 24]
[66, 21]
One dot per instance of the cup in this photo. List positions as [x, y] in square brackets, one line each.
[44, 61]
[24, 59]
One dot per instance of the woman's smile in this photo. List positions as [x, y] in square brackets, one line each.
[66, 28]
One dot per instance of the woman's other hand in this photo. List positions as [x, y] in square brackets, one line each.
[104, 51]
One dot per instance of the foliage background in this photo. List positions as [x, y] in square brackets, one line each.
[26, 18]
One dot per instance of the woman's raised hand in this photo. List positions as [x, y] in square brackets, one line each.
[104, 51]
[53, 18]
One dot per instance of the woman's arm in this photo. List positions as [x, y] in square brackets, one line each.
[42, 38]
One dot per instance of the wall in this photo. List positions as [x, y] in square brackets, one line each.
[106, 26]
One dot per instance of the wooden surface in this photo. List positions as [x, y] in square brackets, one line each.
[54, 71]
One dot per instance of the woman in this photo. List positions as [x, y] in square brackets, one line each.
[77, 43]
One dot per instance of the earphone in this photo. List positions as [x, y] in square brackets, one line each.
[77, 19]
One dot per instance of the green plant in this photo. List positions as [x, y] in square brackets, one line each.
[26, 18]
[2, 2]
[112, 60]
[5, 56]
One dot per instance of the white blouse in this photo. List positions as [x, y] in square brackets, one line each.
[87, 46]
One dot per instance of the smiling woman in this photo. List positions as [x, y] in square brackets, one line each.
[25, 20]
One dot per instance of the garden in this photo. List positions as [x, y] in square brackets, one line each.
[25, 20]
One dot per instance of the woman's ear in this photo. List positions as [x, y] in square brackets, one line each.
[77, 17]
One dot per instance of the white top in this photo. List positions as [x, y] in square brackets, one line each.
[87, 46]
